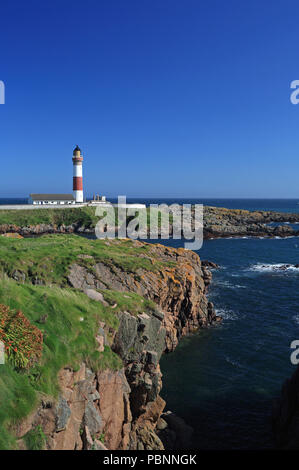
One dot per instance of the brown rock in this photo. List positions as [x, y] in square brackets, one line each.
[114, 407]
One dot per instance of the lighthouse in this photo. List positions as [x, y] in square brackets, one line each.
[77, 175]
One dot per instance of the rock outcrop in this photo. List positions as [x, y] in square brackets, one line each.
[179, 290]
[173, 431]
[92, 407]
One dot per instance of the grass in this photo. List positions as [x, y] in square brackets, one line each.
[81, 216]
[24, 218]
[129, 301]
[35, 439]
[17, 399]
[58, 313]
[37, 257]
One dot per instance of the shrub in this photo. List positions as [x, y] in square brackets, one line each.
[22, 340]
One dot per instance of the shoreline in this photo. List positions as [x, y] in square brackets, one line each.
[32, 232]
[217, 222]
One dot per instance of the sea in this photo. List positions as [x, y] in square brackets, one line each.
[223, 380]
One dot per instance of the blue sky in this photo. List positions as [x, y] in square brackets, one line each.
[166, 98]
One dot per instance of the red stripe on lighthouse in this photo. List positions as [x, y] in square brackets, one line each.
[77, 183]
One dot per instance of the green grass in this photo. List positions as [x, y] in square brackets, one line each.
[48, 258]
[67, 342]
[17, 399]
[24, 218]
[35, 439]
[83, 216]
[67, 339]
[128, 301]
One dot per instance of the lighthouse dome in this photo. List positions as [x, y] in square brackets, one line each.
[76, 150]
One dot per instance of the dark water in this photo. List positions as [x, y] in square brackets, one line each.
[11, 200]
[223, 380]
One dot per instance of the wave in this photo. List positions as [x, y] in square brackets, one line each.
[279, 267]
[283, 238]
[296, 319]
[226, 314]
[237, 237]
[228, 284]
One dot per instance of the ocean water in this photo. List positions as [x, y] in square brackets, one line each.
[223, 380]
[13, 200]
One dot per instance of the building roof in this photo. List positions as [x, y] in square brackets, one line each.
[52, 197]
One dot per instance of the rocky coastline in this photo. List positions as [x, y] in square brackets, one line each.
[123, 409]
[217, 223]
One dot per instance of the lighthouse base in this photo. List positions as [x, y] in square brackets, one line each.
[78, 195]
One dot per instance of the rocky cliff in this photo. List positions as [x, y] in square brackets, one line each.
[179, 289]
[119, 409]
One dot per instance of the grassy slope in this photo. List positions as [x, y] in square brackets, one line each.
[81, 215]
[67, 339]
[38, 257]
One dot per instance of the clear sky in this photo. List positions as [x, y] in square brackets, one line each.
[166, 98]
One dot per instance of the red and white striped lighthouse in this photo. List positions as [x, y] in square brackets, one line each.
[77, 175]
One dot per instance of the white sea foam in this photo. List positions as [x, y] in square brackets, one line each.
[296, 319]
[228, 285]
[283, 238]
[279, 267]
[226, 314]
[237, 238]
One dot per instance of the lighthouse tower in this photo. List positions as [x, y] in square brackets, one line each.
[77, 175]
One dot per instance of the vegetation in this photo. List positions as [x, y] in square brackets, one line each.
[79, 216]
[23, 341]
[37, 258]
[24, 218]
[128, 301]
[68, 320]
[35, 439]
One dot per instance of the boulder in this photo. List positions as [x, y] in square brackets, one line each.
[63, 414]
[92, 419]
[94, 295]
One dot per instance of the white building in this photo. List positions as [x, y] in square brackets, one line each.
[51, 199]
